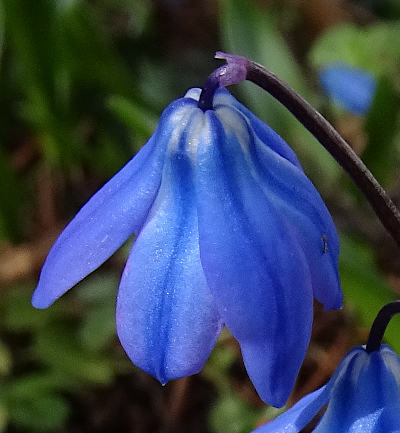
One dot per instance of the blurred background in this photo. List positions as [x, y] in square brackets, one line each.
[82, 84]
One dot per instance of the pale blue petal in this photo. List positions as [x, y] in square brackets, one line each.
[266, 134]
[364, 399]
[351, 88]
[298, 416]
[107, 220]
[254, 265]
[167, 320]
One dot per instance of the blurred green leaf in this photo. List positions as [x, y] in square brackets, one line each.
[217, 366]
[135, 117]
[90, 53]
[19, 315]
[98, 326]
[3, 417]
[109, 158]
[232, 414]
[342, 43]
[31, 401]
[5, 360]
[252, 31]
[25, 386]
[381, 153]
[364, 287]
[34, 34]
[370, 48]
[100, 288]
[59, 348]
[39, 413]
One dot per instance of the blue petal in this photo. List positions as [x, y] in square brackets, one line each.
[254, 265]
[167, 320]
[298, 416]
[365, 397]
[107, 220]
[266, 134]
[296, 198]
[351, 88]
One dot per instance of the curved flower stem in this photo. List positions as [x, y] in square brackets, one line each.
[322, 130]
[233, 72]
[380, 324]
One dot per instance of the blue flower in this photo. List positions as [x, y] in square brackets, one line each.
[363, 396]
[349, 87]
[229, 231]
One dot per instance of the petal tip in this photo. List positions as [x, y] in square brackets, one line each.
[40, 301]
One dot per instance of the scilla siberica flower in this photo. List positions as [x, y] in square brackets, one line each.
[229, 231]
[349, 87]
[363, 395]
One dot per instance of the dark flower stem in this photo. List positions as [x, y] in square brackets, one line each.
[209, 88]
[380, 324]
[239, 68]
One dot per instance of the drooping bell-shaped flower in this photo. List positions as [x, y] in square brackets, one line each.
[363, 395]
[229, 231]
[350, 88]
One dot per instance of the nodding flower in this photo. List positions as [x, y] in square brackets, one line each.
[229, 232]
[363, 395]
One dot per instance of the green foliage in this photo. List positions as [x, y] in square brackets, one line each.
[230, 412]
[40, 68]
[371, 48]
[381, 127]
[253, 31]
[142, 122]
[67, 345]
[364, 287]
[58, 48]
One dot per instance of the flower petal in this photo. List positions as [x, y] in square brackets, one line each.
[107, 220]
[365, 397]
[266, 134]
[254, 266]
[298, 416]
[296, 198]
[167, 320]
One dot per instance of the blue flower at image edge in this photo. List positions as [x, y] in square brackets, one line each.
[363, 396]
[351, 88]
[229, 231]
